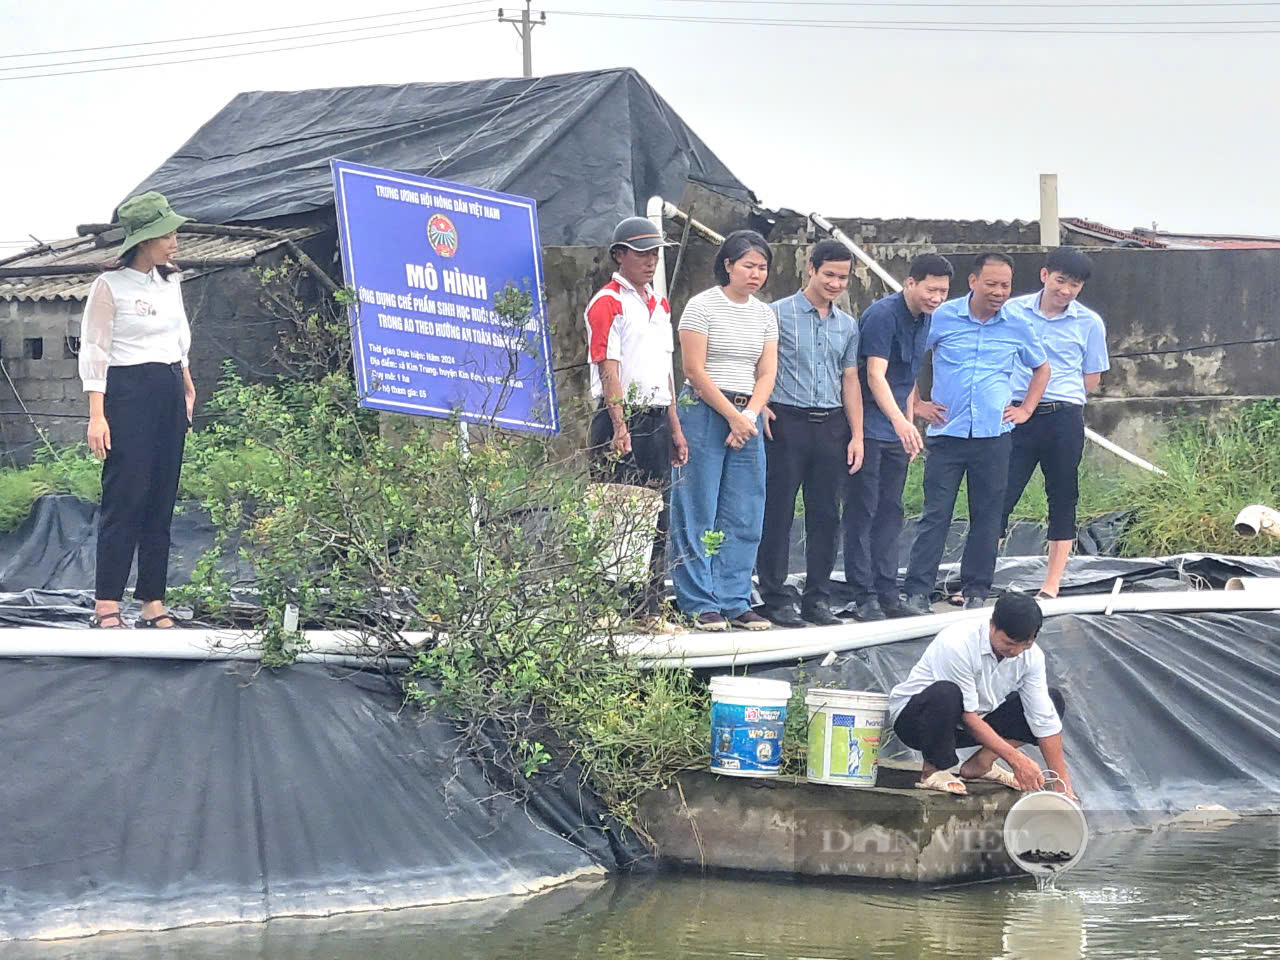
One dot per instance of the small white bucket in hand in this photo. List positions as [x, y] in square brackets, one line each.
[1045, 831]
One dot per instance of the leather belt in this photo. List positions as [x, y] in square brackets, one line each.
[739, 400]
[813, 414]
[1050, 406]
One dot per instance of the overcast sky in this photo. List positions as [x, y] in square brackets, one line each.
[938, 121]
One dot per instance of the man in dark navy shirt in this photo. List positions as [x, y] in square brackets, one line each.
[891, 349]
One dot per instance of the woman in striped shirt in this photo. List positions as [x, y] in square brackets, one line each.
[729, 348]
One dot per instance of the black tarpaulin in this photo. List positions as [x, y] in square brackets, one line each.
[1164, 711]
[46, 565]
[145, 794]
[590, 148]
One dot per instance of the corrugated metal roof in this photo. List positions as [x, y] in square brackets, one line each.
[1100, 231]
[1165, 239]
[81, 250]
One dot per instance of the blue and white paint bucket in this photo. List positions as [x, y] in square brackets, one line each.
[747, 718]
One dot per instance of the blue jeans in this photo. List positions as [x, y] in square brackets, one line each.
[719, 489]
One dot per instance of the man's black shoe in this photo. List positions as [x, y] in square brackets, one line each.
[869, 610]
[784, 616]
[916, 605]
[821, 614]
[895, 608]
[974, 603]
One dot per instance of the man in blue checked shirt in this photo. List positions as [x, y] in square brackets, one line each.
[1075, 340]
[813, 433]
[976, 344]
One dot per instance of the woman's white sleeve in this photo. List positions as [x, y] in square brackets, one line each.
[96, 329]
[184, 332]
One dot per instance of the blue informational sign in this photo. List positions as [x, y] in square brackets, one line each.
[427, 260]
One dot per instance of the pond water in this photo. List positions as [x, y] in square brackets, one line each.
[1202, 893]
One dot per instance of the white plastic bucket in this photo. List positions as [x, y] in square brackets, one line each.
[845, 731]
[747, 718]
[1045, 825]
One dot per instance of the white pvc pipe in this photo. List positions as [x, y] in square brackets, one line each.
[1256, 519]
[702, 651]
[654, 212]
[825, 224]
[683, 650]
[675, 213]
[1122, 453]
[316, 646]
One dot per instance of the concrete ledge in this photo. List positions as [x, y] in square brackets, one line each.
[791, 826]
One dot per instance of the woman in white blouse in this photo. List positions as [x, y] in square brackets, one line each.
[134, 341]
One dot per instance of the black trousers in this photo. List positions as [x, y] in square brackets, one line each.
[647, 465]
[930, 722]
[873, 521]
[146, 411]
[984, 461]
[1053, 440]
[808, 451]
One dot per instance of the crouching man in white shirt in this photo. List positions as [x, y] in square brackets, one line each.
[983, 685]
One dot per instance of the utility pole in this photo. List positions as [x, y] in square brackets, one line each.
[524, 25]
[1049, 232]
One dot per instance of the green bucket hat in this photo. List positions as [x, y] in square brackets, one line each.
[145, 217]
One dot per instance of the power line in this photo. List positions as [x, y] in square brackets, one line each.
[245, 53]
[238, 43]
[926, 26]
[242, 33]
[952, 4]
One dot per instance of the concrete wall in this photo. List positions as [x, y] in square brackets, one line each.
[1151, 299]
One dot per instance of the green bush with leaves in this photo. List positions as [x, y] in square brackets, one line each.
[488, 563]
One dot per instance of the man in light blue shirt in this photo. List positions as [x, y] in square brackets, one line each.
[976, 344]
[1075, 340]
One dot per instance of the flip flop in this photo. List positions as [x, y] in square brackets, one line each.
[154, 622]
[659, 625]
[997, 774]
[941, 781]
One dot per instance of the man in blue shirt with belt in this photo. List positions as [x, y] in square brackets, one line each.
[891, 346]
[975, 344]
[1075, 340]
[813, 429]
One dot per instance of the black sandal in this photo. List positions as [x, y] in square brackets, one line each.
[152, 622]
[1041, 595]
[100, 622]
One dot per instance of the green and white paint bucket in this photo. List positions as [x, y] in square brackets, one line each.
[844, 736]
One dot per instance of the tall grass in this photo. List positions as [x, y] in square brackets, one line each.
[1214, 469]
[207, 471]
[1102, 491]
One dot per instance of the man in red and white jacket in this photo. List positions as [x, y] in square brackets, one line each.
[635, 435]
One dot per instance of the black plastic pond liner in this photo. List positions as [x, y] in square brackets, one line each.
[1164, 711]
[141, 794]
[46, 565]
